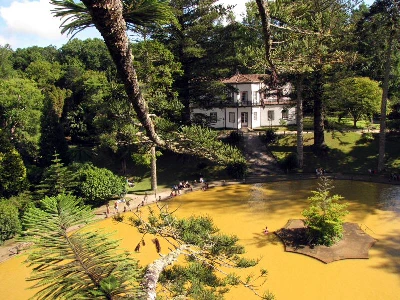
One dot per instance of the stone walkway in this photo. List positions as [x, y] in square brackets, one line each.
[261, 162]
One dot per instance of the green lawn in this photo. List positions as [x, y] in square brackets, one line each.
[346, 124]
[348, 152]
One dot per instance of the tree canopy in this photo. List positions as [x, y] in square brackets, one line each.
[358, 96]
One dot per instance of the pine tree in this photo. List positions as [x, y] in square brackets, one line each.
[78, 265]
[57, 179]
[324, 217]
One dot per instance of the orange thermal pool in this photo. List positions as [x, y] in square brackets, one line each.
[245, 210]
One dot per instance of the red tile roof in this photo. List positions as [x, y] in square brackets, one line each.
[246, 78]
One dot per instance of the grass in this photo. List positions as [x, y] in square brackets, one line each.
[347, 152]
[346, 124]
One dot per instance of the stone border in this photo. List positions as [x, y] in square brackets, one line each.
[355, 243]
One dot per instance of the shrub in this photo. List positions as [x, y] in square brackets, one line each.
[97, 185]
[236, 169]
[289, 162]
[9, 222]
[235, 139]
[270, 136]
[367, 136]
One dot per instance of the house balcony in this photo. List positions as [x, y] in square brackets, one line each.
[263, 102]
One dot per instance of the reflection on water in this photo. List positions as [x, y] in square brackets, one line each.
[245, 210]
[389, 199]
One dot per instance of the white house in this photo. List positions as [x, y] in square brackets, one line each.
[253, 105]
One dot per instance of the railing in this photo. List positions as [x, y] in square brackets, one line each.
[263, 102]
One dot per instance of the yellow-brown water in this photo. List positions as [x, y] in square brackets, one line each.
[245, 210]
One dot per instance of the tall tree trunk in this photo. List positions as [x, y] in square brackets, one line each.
[263, 10]
[299, 120]
[319, 138]
[153, 170]
[108, 19]
[385, 91]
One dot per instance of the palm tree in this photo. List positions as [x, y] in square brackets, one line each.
[112, 18]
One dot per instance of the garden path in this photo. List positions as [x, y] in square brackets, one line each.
[261, 162]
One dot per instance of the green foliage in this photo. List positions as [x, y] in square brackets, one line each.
[205, 143]
[9, 221]
[235, 138]
[196, 281]
[270, 136]
[156, 66]
[23, 57]
[44, 73]
[78, 265]
[21, 104]
[76, 16]
[6, 68]
[52, 138]
[12, 169]
[22, 201]
[325, 216]
[289, 162]
[97, 185]
[236, 169]
[358, 96]
[90, 54]
[57, 179]
[206, 250]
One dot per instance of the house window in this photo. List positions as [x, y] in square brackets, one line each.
[255, 116]
[213, 117]
[231, 117]
[271, 116]
[255, 100]
[243, 96]
[285, 114]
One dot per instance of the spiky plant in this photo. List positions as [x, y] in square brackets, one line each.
[75, 265]
[76, 16]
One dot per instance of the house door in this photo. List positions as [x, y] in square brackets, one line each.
[244, 116]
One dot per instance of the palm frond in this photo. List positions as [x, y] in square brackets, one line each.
[146, 12]
[75, 16]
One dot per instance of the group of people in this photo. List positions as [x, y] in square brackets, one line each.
[127, 206]
[176, 189]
